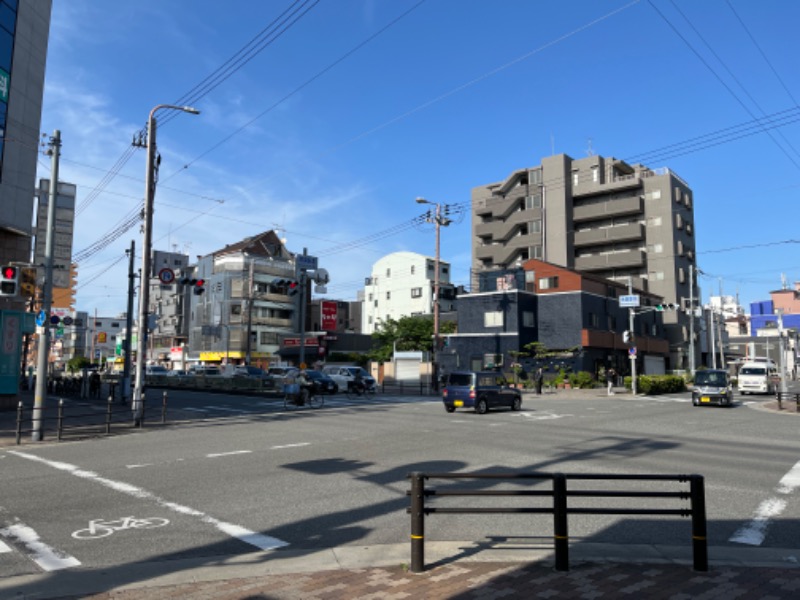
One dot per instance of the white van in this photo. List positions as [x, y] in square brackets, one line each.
[757, 378]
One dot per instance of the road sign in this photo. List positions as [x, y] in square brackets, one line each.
[632, 351]
[166, 276]
[630, 301]
[305, 262]
[41, 318]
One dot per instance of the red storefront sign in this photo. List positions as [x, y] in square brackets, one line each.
[329, 313]
[295, 342]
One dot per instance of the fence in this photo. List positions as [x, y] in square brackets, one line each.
[559, 508]
[781, 396]
[83, 417]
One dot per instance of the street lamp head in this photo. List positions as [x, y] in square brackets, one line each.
[190, 109]
[421, 200]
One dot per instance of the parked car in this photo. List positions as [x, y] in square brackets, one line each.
[480, 390]
[250, 372]
[323, 384]
[205, 370]
[757, 378]
[712, 386]
[177, 373]
[155, 370]
[280, 375]
[345, 376]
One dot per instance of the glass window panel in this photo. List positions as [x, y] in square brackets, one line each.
[6, 47]
[8, 18]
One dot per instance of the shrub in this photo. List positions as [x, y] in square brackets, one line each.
[657, 384]
[582, 380]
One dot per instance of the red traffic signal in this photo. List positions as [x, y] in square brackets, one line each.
[294, 287]
[198, 286]
[9, 282]
[9, 272]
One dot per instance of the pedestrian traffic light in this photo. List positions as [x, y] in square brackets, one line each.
[668, 306]
[9, 280]
[199, 287]
[626, 337]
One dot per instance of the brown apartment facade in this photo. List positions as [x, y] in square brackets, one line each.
[598, 215]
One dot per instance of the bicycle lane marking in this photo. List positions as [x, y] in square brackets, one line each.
[47, 557]
[261, 541]
[754, 532]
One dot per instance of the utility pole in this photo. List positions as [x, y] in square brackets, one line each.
[249, 310]
[712, 324]
[719, 328]
[782, 351]
[125, 391]
[691, 320]
[633, 338]
[47, 292]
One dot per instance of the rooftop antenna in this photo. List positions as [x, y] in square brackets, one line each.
[784, 285]
[589, 150]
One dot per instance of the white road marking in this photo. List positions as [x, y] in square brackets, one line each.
[203, 410]
[754, 532]
[290, 446]
[263, 542]
[4, 548]
[542, 416]
[228, 453]
[227, 409]
[45, 556]
[139, 466]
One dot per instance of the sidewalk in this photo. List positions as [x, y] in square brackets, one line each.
[454, 570]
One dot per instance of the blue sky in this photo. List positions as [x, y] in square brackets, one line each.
[334, 128]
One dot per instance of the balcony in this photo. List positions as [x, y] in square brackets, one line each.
[617, 260]
[607, 235]
[617, 184]
[608, 208]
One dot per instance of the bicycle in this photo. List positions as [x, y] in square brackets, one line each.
[297, 398]
[99, 528]
[360, 389]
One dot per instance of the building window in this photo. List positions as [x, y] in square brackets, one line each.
[548, 283]
[653, 195]
[654, 222]
[536, 226]
[595, 175]
[236, 309]
[655, 248]
[528, 319]
[376, 303]
[388, 295]
[534, 201]
[678, 194]
[537, 252]
[493, 319]
[612, 322]
[536, 176]
[680, 248]
[115, 325]
[369, 320]
[445, 270]
[678, 221]
[412, 269]
[681, 275]
[388, 272]
[575, 178]
[370, 298]
[594, 321]
[416, 292]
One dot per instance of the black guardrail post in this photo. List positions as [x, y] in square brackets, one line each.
[417, 523]
[19, 422]
[778, 396]
[699, 540]
[560, 525]
[60, 419]
[108, 414]
[164, 409]
[797, 402]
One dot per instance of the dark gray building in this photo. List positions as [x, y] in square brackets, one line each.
[24, 32]
[577, 317]
[599, 215]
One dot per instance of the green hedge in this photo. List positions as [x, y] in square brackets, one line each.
[582, 380]
[657, 384]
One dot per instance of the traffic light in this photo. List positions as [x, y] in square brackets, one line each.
[668, 306]
[27, 281]
[9, 280]
[294, 287]
[626, 336]
[199, 287]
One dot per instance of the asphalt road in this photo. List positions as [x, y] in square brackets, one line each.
[239, 474]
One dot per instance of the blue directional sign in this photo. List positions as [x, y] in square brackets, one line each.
[631, 301]
[41, 318]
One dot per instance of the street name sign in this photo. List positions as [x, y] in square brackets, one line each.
[630, 301]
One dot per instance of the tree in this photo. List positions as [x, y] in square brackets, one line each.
[405, 334]
[77, 363]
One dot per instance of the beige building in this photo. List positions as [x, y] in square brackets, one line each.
[599, 215]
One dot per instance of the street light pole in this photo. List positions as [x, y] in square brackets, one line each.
[147, 242]
[439, 222]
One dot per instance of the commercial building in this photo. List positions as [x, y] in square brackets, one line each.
[402, 285]
[575, 318]
[24, 31]
[599, 215]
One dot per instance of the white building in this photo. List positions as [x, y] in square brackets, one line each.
[402, 285]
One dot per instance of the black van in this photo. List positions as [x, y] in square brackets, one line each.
[480, 390]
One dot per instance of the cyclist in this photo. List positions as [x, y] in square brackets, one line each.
[358, 383]
[306, 388]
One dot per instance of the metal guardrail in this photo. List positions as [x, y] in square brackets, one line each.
[781, 396]
[74, 416]
[559, 508]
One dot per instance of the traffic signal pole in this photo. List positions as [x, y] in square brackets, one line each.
[633, 339]
[40, 393]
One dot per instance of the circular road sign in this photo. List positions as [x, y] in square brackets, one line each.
[166, 275]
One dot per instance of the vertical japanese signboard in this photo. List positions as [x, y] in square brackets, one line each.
[329, 314]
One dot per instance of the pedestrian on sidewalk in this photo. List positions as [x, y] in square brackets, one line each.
[611, 375]
[538, 377]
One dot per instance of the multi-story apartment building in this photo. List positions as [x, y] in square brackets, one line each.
[24, 31]
[401, 285]
[246, 308]
[627, 223]
[169, 305]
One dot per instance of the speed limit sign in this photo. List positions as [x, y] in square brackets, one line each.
[166, 275]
